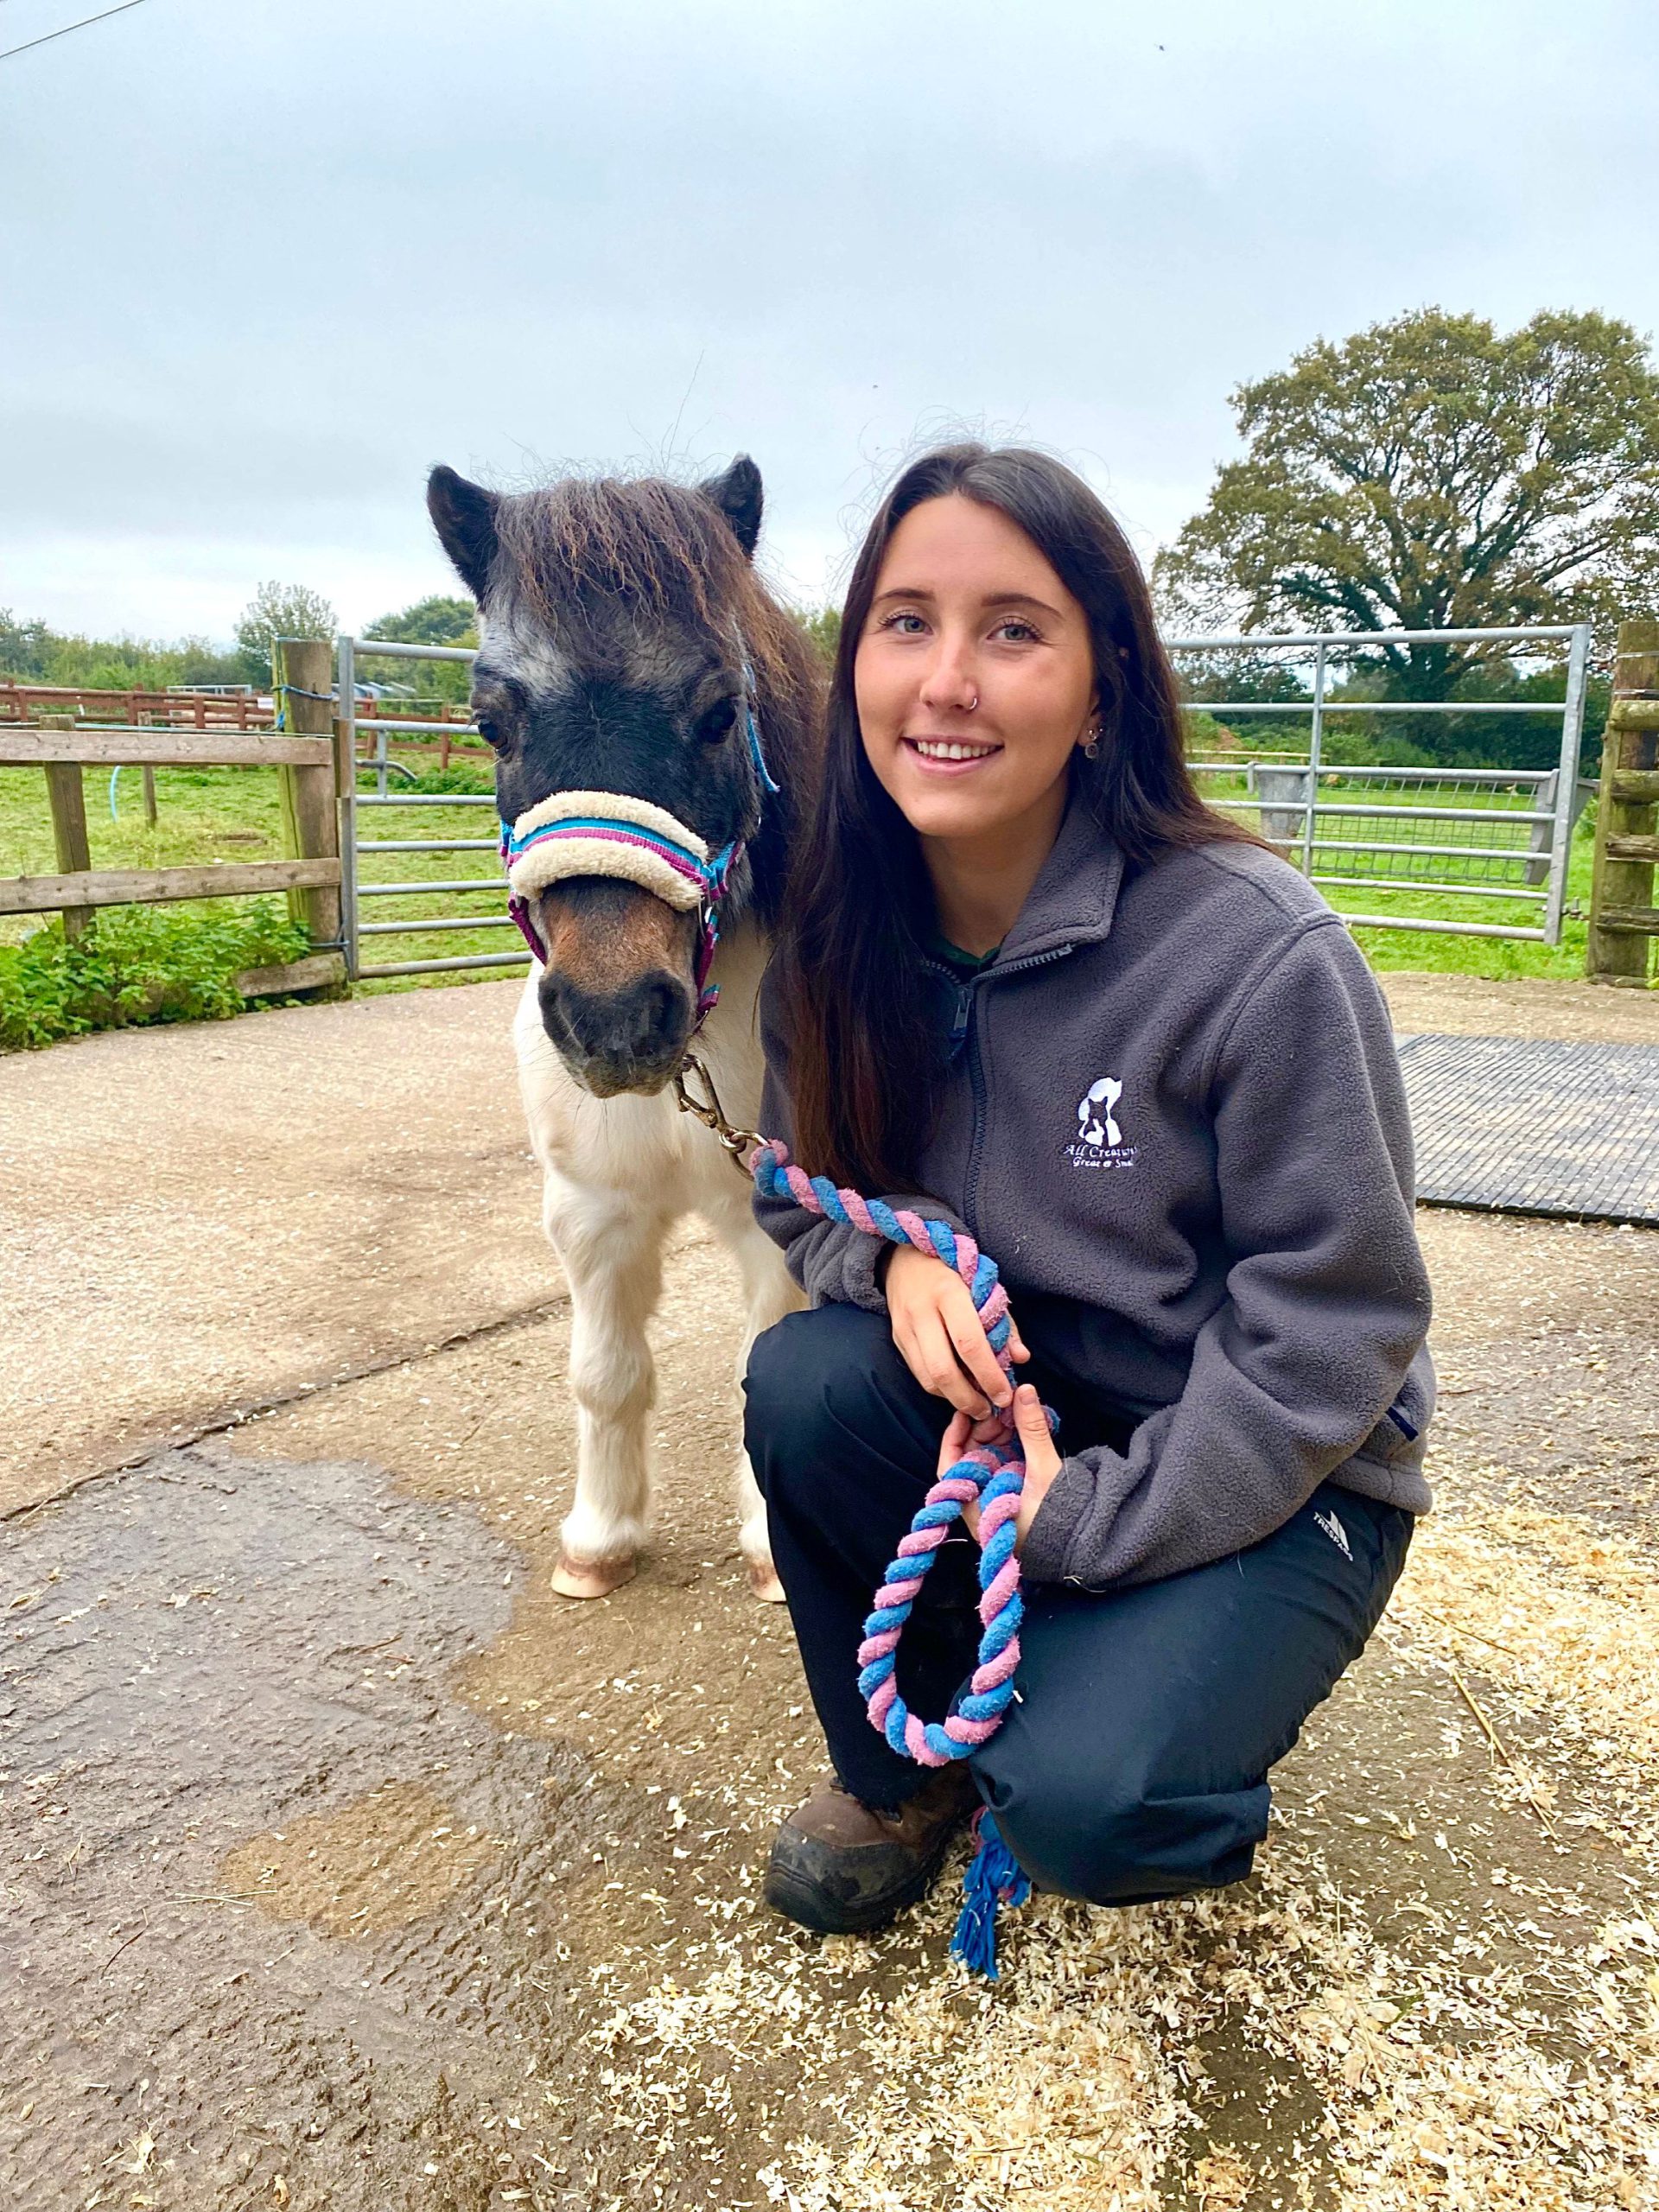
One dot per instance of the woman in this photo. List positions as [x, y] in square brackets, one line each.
[1033, 986]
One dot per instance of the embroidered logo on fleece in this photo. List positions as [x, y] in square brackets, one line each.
[1099, 1140]
[1334, 1529]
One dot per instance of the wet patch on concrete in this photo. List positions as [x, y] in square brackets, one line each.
[248, 1687]
[237, 1952]
[381, 1861]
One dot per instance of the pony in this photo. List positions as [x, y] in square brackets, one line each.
[630, 655]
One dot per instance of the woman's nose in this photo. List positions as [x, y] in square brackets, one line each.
[949, 685]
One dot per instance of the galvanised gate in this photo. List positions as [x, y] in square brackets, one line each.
[1432, 839]
[424, 900]
[1474, 852]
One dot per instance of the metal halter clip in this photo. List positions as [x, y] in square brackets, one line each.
[708, 1111]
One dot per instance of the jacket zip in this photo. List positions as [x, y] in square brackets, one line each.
[965, 1017]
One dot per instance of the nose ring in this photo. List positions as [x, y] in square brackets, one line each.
[972, 703]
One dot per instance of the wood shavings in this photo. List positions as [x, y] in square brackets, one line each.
[1422, 2072]
[1561, 1613]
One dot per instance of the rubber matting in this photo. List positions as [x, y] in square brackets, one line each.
[1523, 1126]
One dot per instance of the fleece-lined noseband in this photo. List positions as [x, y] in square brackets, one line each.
[614, 833]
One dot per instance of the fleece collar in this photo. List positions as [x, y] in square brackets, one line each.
[1075, 897]
[613, 834]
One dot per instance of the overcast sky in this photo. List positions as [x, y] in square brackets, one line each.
[263, 262]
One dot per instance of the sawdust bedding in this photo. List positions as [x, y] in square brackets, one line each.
[1406, 2078]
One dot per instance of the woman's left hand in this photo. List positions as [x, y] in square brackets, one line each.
[1043, 1462]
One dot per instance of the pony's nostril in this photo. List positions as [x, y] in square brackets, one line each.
[662, 1006]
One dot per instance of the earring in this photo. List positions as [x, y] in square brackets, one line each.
[1091, 743]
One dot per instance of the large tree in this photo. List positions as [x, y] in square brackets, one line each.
[1429, 473]
[280, 611]
[435, 621]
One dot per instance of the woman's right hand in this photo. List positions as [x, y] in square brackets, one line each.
[940, 1337]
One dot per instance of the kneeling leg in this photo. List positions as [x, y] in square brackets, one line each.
[1134, 1764]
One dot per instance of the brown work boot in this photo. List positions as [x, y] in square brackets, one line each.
[841, 1866]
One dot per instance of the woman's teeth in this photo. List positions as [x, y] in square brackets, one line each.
[931, 750]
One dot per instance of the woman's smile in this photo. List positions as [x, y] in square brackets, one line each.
[974, 683]
[949, 756]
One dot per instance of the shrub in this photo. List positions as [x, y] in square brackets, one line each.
[138, 964]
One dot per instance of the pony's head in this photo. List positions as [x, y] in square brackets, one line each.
[624, 642]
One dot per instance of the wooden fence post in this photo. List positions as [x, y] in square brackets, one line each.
[67, 795]
[1623, 917]
[303, 669]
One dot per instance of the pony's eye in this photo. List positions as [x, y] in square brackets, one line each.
[491, 731]
[718, 722]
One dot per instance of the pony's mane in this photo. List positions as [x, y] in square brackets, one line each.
[656, 545]
[663, 549]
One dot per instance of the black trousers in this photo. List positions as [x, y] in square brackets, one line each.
[1134, 1761]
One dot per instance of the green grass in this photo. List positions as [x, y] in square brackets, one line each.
[391, 823]
[1395, 948]
[229, 815]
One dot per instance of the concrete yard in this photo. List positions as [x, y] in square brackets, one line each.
[346, 1866]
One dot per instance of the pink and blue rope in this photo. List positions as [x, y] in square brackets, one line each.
[992, 1472]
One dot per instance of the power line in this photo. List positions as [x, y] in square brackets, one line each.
[47, 38]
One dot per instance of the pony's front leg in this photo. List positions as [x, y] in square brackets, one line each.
[769, 1293]
[611, 1245]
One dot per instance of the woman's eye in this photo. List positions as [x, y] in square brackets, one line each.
[904, 626]
[718, 722]
[1021, 632]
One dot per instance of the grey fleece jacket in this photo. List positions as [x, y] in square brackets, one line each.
[1174, 1117]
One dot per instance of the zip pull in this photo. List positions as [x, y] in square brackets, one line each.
[961, 1018]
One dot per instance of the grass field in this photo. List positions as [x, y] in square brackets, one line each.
[229, 815]
[232, 814]
[1471, 850]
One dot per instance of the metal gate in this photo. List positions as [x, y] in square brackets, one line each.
[1432, 835]
[392, 869]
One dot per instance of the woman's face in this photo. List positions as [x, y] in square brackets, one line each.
[974, 677]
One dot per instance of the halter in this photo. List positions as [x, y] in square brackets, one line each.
[614, 833]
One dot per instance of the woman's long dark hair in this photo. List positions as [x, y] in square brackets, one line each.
[864, 1061]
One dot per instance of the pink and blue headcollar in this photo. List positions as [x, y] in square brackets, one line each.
[614, 833]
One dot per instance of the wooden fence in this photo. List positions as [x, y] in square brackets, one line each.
[1623, 920]
[23, 703]
[43, 704]
[305, 756]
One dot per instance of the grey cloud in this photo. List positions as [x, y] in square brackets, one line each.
[259, 266]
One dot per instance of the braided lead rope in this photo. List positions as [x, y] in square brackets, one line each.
[994, 1472]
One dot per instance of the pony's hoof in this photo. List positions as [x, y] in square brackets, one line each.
[591, 1578]
[763, 1581]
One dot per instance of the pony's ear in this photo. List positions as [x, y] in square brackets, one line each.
[736, 492]
[463, 515]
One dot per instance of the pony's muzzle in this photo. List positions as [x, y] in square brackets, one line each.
[617, 992]
[632, 1039]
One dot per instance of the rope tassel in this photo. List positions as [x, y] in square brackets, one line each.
[994, 1474]
[993, 1876]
